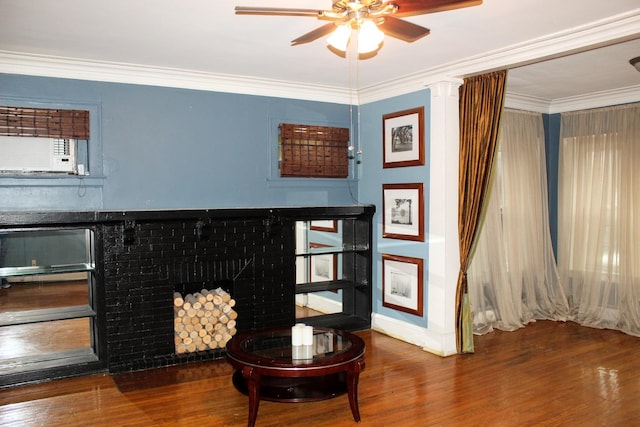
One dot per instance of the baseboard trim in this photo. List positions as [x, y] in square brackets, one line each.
[428, 340]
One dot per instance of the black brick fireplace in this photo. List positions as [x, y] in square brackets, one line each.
[146, 259]
[143, 257]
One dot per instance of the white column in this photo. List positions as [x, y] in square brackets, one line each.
[444, 251]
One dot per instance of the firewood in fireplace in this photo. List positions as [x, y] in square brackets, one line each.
[203, 320]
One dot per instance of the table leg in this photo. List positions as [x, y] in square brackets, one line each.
[353, 376]
[253, 385]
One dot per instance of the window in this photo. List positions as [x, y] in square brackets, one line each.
[43, 140]
[596, 207]
[313, 151]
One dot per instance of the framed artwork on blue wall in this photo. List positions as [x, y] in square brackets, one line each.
[403, 211]
[402, 283]
[403, 138]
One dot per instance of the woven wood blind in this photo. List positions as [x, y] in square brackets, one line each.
[313, 151]
[44, 122]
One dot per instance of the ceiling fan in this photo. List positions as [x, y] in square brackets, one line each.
[376, 17]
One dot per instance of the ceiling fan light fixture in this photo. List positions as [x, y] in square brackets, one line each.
[339, 39]
[369, 37]
[635, 62]
[363, 17]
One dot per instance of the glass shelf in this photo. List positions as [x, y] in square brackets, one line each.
[45, 269]
[45, 315]
[332, 250]
[330, 285]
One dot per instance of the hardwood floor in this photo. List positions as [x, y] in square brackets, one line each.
[42, 295]
[547, 374]
[41, 339]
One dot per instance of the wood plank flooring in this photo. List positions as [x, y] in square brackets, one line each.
[43, 294]
[40, 339]
[547, 374]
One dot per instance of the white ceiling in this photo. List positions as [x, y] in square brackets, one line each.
[155, 41]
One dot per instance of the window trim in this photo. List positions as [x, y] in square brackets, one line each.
[95, 166]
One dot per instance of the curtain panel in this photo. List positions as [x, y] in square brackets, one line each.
[513, 278]
[598, 216]
[481, 101]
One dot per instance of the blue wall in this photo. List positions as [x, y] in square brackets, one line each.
[373, 175]
[552, 151]
[156, 148]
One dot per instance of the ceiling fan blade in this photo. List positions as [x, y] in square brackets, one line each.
[421, 7]
[315, 34]
[402, 30]
[282, 11]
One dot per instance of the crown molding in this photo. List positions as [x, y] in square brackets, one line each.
[583, 102]
[519, 101]
[612, 29]
[113, 72]
[595, 100]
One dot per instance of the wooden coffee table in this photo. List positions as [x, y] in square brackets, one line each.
[268, 367]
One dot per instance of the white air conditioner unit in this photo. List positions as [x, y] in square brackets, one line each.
[20, 154]
[63, 158]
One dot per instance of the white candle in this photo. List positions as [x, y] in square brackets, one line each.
[307, 352]
[297, 332]
[307, 336]
[297, 352]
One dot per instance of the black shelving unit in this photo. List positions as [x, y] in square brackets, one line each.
[354, 280]
[52, 243]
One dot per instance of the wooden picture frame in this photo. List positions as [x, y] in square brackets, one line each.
[322, 267]
[403, 283]
[329, 225]
[403, 211]
[403, 138]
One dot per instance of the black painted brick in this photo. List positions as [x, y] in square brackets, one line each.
[146, 261]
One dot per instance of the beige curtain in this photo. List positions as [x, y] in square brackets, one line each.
[481, 100]
[599, 216]
[513, 279]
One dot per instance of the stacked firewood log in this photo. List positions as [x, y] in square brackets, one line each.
[203, 320]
